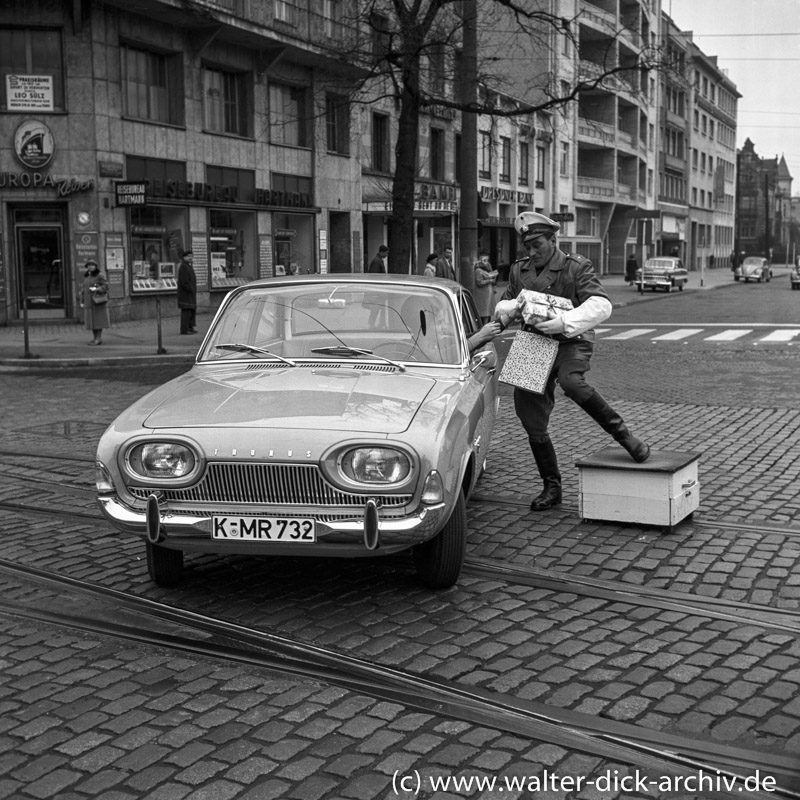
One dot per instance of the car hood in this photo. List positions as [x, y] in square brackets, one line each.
[342, 399]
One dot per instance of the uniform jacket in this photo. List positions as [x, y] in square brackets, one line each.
[187, 286]
[572, 277]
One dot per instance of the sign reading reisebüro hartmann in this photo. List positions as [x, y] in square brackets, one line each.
[130, 193]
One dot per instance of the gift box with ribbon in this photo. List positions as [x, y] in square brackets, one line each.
[538, 306]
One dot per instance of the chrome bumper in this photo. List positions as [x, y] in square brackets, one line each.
[192, 532]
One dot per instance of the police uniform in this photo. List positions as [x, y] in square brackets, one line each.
[574, 278]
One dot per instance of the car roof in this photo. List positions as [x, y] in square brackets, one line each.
[357, 278]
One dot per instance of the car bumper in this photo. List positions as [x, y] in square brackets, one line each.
[181, 530]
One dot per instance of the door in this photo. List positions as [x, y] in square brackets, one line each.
[41, 274]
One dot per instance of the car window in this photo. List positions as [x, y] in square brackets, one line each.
[401, 322]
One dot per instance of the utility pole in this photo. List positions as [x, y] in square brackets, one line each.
[468, 208]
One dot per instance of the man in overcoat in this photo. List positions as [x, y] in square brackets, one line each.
[187, 293]
[549, 270]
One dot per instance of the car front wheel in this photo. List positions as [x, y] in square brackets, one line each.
[165, 566]
[439, 560]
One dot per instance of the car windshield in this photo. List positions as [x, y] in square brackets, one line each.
[359, 321]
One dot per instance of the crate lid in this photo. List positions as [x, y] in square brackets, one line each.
[659, 461]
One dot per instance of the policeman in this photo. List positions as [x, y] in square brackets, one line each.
[547, 269]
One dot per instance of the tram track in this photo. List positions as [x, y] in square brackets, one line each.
[640, 595]
[108, 612]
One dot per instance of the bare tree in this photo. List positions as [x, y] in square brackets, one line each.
[409, 40]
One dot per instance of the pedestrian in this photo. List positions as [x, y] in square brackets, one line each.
[430, 266]
[548, 269]
[734, 260]
[187, 293]
[485, 279]
[444, 265]
[95, 301]
[379, 263]
[631, 266]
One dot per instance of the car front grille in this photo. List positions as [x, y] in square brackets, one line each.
[268, 484]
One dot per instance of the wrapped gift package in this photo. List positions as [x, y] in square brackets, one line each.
[537, 306]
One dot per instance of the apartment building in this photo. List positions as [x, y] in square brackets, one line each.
[131, 130]
[710, 235]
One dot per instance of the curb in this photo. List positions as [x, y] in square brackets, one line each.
[110, 361]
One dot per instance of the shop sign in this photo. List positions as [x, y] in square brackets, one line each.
[38, 180]
[34, 144]
[563, 216]
[130, 193]
[29, 92]
[221, 194]
[506, 195]
[434, 191]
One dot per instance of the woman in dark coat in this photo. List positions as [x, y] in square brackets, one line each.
[95, 302]
[631, 266]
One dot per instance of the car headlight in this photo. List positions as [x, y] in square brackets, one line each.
[161, 460]
[376, 465]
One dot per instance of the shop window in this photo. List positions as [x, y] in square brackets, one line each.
[380, 143]
[158, 234]
[225, 99]
[152, 85]
[231, 254]
[32, 52]
[288, 115]
[285, 11]
[586, 222]
[294, 242]
[337, 124]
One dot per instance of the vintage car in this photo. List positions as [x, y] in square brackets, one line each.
[664, 272]
[753, 268]
[794, 274]
[335, 415]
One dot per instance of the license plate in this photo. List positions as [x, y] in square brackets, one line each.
[295, 530]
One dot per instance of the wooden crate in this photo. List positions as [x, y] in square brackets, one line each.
[662, 491]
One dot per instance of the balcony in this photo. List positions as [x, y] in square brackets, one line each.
[594, 189]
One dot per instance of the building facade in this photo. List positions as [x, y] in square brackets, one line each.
[220, 127]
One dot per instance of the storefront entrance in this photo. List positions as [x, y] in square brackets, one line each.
[40, 269]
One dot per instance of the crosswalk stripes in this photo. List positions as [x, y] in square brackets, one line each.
[777, 336]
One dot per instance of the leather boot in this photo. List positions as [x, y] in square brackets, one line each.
[611, 422]
[546, 462]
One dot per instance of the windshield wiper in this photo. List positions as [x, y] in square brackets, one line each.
[251, 348]
[345, 351]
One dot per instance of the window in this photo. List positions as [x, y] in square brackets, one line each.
[152, 85]
[485, 156]
[586, 222]
[437, 154]
[524, 164]
[436, 71]
[457, 158]
[541, 167]
[505, 159]
[32, 52]
[563, 166]
[288, 115]
[380, 143]
[225, 101]
[332, 18]
[381, 37]
[284, 11]
[337, 124]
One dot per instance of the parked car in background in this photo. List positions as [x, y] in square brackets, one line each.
[325, 415]
[664, 272]
[794, 274]
[753, 268]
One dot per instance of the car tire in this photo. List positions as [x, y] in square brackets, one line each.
[165, 566]
[680, 287]
[439, 560]
[736, 277]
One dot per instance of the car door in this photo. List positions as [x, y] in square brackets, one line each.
[482, 379]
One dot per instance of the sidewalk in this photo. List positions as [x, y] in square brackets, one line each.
[65, 344]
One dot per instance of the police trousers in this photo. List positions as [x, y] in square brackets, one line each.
[571, 364]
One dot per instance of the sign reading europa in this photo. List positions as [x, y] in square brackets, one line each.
[39, 180]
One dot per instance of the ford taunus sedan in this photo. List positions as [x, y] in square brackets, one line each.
[753, 268]
[665, 272]
[323, 416]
